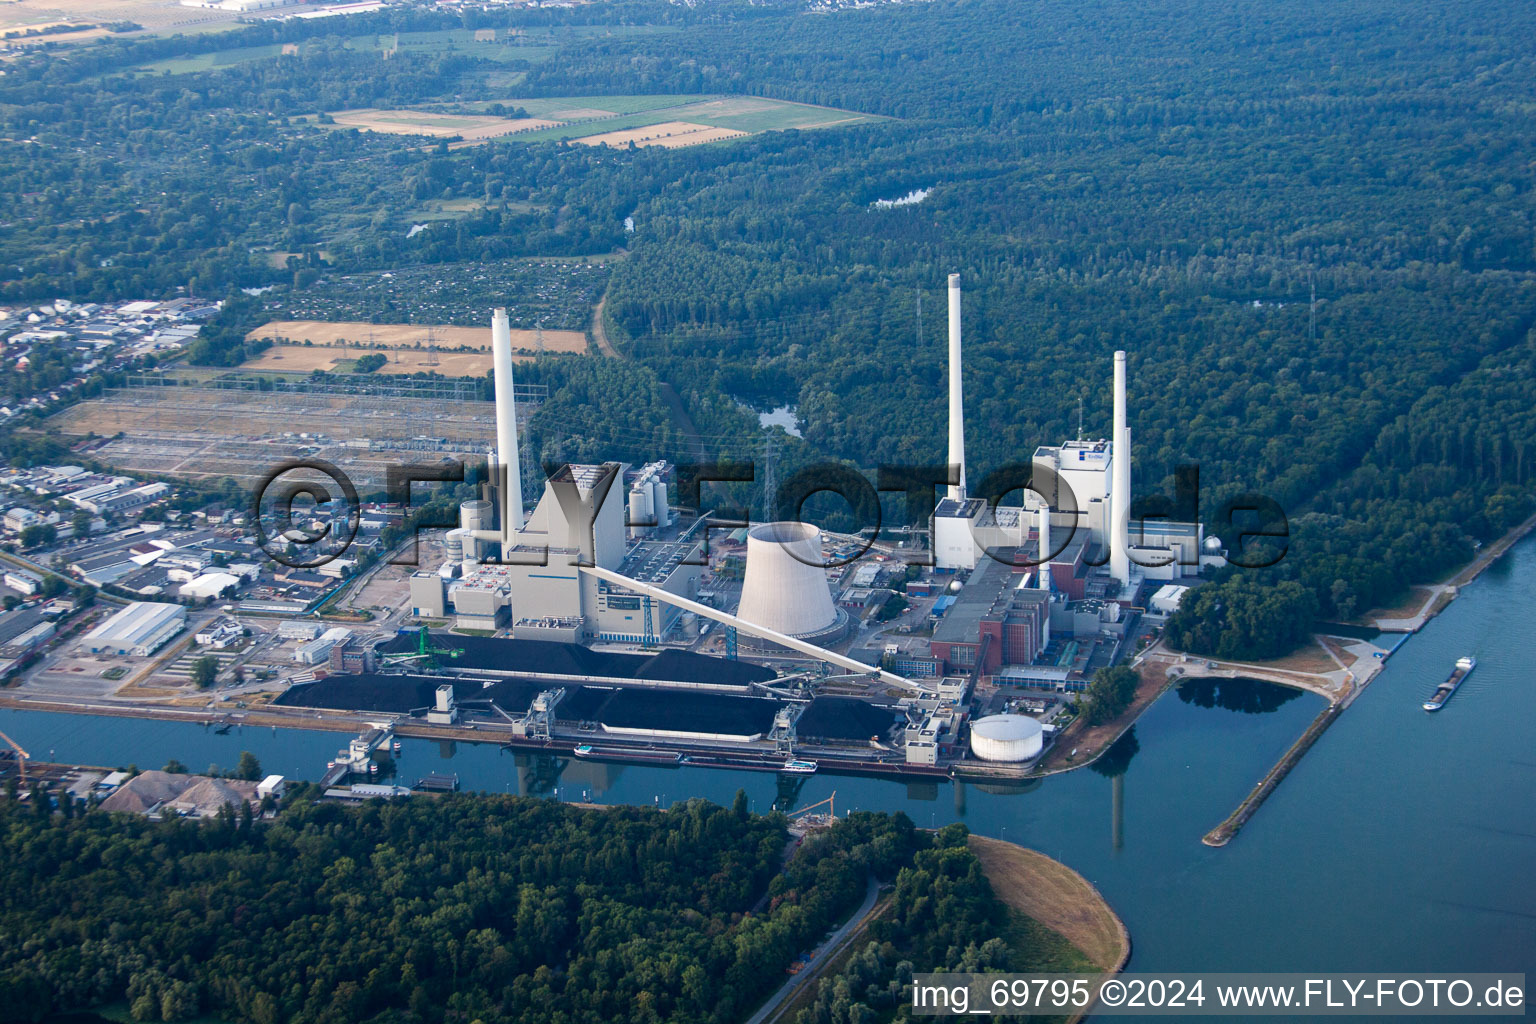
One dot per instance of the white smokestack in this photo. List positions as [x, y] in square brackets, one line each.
[956, 401]
[1045, 548]
[1120, 483]
[506, 428]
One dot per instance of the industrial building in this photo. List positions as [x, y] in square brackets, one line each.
[140, 629]
[319, 649]
[23, 581]
[1039, 595]
[1081, 495]
[997, 619]
[601, 558]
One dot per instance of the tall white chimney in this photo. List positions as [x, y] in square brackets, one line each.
[956, 401]
[1120, 483]
[1045, 548]
[507, 458]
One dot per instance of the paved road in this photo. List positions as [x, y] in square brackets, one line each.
[829, 949]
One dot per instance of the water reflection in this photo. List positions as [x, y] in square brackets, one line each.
[1115, 763]
[1250, 696]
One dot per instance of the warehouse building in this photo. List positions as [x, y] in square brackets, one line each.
[23, 581]
[140, 629]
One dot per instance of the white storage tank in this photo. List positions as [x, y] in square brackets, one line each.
[475, 514]
[640, 508]
[659, 502]
[453, 545]
[1006, 738]
[690, 625]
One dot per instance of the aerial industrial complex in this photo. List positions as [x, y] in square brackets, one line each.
[584, 624]
[599, 618]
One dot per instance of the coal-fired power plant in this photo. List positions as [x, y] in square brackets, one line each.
[549, 601]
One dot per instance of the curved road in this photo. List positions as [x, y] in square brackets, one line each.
[829, 949]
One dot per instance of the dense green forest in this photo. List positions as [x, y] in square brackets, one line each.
[1165, 178]
[463, 908]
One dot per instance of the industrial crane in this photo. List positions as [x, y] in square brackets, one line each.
[425, 652]
[22, 757]
[831, 808]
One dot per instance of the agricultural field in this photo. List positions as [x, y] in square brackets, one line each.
[557, 294]
[210, 61]
[501, 45]
[307, 345]
[617, 121]
[343, 359]
[496, 45]
[198, 433]
[681, 120]
[154, 15]
[671, 134]
[471, 128]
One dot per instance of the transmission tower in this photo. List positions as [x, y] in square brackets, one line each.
[648, 640]
[770, 479]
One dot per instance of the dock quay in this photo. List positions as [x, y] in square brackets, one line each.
[438, 782]
[1222, 834]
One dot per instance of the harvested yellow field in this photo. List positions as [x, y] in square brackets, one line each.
[392, 336]
[471, 127]
[408, 348]
[671, 134]
[308, 358]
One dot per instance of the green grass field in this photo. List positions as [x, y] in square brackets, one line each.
[533, 45]
[210, 61]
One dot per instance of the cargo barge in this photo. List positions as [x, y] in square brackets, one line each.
[625, 755]
[1464, 667]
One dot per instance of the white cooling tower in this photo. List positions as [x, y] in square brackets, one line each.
[785, 588]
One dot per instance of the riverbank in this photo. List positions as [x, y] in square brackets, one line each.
[1437, 597]
[1055, 896]
[1080, 744]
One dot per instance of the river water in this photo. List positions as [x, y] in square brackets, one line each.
[1403, 841]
